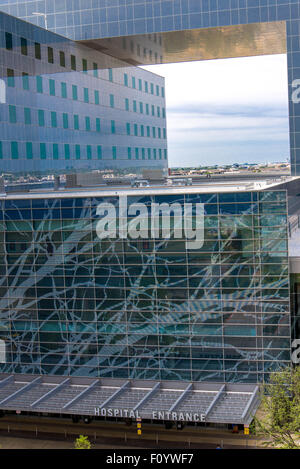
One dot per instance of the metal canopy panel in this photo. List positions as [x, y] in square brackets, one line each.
[24, 400]
[95, 398]
[196, 44]
[116, 398]
[197, 401]
[162, 400]
[231, 405]
[128, 398]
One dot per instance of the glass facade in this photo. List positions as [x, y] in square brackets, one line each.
[140, 306]
[295, 307]
[92, 19]
[148, 307]
[65, 107]
[85, 19]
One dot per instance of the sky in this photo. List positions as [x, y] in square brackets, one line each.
[226, 111]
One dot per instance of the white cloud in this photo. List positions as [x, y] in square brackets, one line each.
[226, 109]
[246, 81]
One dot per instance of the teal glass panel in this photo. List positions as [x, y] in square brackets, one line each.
[89, 152]
[53, 119]
[67, 151]
[76, 122]
[43, 153]
[51, 87]
[25, 81]
[65, 121]
[10, 77]
[12, 114]
[27, 115]
[98, 124]
[74, 92]
[39, 84]
[85, 95]
[14, 150]
[41, 118]
[64, 93]
[77, 152]
[29, 151]
[55, 151]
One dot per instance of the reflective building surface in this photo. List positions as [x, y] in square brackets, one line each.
[160, 284]
[65, 108]
[143, 24]
[144, 305]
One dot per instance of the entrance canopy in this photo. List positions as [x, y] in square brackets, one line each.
[165, 400]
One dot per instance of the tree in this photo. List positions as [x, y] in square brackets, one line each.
[280, 421]
[82, 442]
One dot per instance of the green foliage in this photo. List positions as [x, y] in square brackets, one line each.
[82, 442]
[252, 428]
[281, 408]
